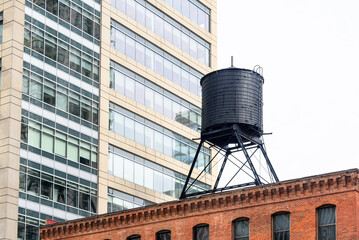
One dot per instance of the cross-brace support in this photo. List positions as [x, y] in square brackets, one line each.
[243, 143]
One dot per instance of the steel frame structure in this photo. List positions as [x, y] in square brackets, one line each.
[220, 139]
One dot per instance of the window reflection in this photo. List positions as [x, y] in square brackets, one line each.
[143, 93]
[148, 174]
[118, 201]
[155, 61]
[154, 138]
[196, 11]
[167, 28]
[57, 50]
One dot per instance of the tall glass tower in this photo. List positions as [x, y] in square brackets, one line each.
[99, 105]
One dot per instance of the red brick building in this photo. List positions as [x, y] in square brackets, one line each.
[318, 207]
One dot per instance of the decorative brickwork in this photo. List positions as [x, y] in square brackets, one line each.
[299, 197]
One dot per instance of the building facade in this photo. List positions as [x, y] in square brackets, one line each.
[322, 207]
[99, 103]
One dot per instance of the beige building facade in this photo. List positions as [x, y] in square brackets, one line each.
[99, 105]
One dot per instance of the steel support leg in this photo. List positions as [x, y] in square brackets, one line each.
[256, 177]
[221, 170]
[183, 194]
[269, 163]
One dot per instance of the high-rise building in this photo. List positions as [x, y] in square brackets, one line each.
[99, 106]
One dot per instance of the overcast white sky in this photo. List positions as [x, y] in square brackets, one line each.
[309, 51]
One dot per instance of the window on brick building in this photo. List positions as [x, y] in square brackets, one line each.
[134, 237]
[241, 229]
[326, 222]
[201, 232]
[281, 226]
[163, 235]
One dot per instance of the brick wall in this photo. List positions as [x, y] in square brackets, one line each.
[299, 197]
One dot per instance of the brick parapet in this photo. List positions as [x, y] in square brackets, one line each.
[315, 186]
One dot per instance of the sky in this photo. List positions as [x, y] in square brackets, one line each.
[309, 52]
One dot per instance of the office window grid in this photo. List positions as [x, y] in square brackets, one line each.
[149, 174]
[76, 16]
[60, 97]
[119, 201]
[55, 141]
[194, 10]
[80, 97]
[58, 52]
[56, 191]
[149, 134]
[28, 227]
[165, 27]
[149, 55]
[153, 96]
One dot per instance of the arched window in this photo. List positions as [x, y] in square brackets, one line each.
[134, 237]
[281, 226]
[201, 232]
[241, 229]
[326, 222]
[163, 235]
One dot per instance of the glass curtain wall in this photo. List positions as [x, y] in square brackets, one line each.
[165, 27]
[153, 96]
[148, 174]
[194, 10]
[149, 55]
[149, 134]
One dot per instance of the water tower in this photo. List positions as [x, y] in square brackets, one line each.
[232, 124]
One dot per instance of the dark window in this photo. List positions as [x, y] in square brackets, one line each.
[21, 231]
[46, 189]
[37, 43]
[86, 112]
[241, 229]
[74, 107]
[49, 95]
[134, 237]
[64, 12]
[281, 225]
[75, 62]
[50, 49]
[97, 31]
[201, 232]
[27, 37]
[51, 6]
[59, 194]
[88, 26]
[326, 223]
[93, 204]
[72, 197]
[63, 56]
[163, 235]
[33, 185]
[40, 3]
[32, 232]
[22, 179]
[76, 19]
[84, 201]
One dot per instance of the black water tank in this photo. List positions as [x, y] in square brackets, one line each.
[232, 96]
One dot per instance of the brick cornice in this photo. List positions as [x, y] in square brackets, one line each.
[319, 185]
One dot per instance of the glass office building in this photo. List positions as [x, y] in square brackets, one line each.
[100, 103]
